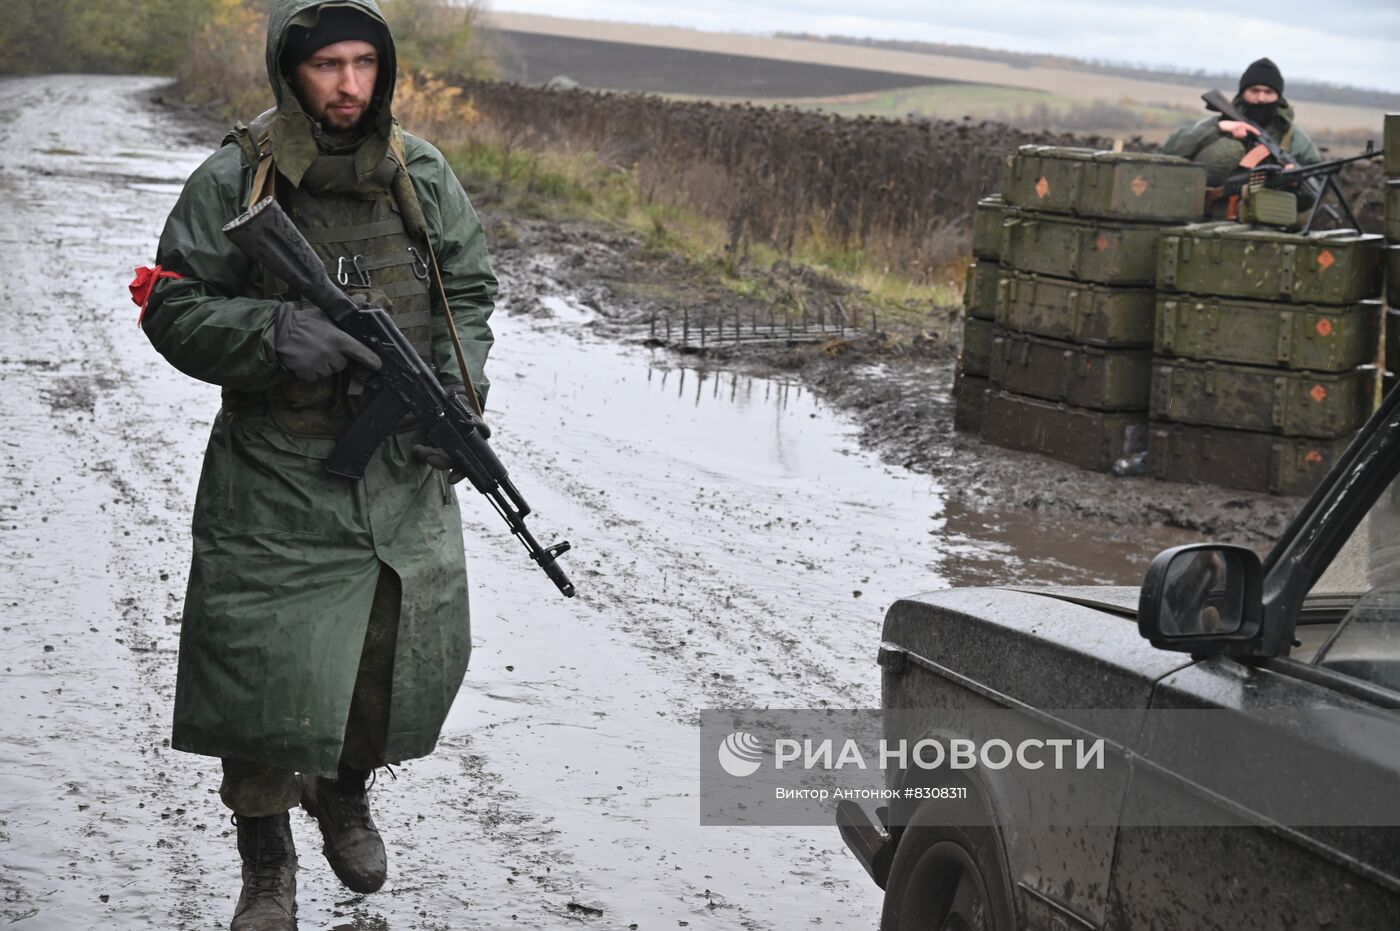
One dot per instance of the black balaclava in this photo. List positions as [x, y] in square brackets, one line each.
[1262, 72]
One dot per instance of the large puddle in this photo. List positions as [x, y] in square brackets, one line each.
[770, 441]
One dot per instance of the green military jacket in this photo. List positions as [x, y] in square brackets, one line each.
[1220, 153]
[286, 556]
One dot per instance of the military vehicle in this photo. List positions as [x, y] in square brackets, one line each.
[1315, 624]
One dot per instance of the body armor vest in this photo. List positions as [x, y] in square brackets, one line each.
[357, 228]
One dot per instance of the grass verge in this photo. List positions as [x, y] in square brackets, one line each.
[513, 168]
[558, 183]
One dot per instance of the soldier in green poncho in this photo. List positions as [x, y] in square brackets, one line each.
[325, 629]
[1221, 144]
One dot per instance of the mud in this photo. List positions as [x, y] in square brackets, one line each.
[896, 388]
[736, 545]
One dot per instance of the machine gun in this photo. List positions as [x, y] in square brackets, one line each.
[1311, 182]
[1321, 174]
[404, 384]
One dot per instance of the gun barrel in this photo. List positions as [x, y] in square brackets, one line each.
[1330, 166]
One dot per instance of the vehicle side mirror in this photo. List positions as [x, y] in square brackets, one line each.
[1202, 599]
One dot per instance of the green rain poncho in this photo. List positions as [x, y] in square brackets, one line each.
[286, 556]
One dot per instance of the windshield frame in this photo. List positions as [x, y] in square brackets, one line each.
[1325, 523]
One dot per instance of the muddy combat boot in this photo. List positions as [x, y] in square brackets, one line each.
[269, 898]
[352, 846]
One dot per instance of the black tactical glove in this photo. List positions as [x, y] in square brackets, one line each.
[311, 347]
[435, 456]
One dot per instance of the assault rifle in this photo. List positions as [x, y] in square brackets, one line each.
[403, 385]
[1217, 101]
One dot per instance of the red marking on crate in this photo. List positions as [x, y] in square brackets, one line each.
[1139, 185]
[1324, 327]
[1042, 187]
[1325, 259]
[1318, 393]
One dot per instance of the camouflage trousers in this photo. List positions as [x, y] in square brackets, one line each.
[255, 790]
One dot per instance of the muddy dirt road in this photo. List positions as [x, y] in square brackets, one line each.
[734, 547]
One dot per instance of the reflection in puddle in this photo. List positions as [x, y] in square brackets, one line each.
[731, 387]
[970, 547]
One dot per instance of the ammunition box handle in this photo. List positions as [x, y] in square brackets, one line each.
[1166, 326]
[1173, 249]
[1008, 233]
[1161, 402]
[1077, 249]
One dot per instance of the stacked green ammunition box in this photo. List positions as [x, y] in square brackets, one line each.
[979, 299]
[1262, 344]
[1071, 360]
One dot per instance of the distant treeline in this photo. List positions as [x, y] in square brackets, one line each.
[214, 47]
[1317, 91]
[104, 36]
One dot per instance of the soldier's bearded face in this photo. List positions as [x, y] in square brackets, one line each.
[336, 83]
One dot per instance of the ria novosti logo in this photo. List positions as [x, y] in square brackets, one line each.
[740, 754]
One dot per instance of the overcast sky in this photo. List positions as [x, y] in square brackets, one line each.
[1342, 41]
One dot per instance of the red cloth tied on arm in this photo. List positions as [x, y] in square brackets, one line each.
[144, 282]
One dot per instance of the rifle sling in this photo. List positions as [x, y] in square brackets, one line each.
[452, 329]
[414, 216]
